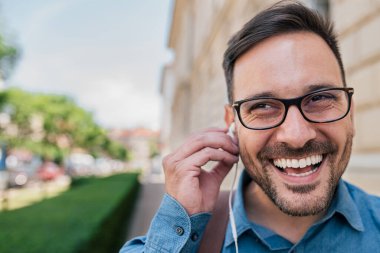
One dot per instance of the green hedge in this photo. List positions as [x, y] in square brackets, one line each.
[90, 217]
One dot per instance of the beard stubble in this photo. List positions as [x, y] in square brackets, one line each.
[305, 204]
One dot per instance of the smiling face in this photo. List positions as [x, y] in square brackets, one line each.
[297, 164]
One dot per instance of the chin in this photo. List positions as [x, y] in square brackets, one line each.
[303, 200]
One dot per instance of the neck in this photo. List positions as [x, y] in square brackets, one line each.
[261, 210]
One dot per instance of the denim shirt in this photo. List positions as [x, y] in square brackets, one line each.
[351, 224]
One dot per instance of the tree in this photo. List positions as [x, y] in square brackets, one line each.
[52, 125]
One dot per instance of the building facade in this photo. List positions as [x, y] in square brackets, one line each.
[193, 85]
[143, 148]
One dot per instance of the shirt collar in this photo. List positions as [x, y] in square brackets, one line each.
[342, 203]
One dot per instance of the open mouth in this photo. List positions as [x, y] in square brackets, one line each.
[299, 167]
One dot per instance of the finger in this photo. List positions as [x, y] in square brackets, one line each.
[216, 140]
[209, 154]
[215, 129]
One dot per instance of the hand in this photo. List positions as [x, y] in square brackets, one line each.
[196, 189]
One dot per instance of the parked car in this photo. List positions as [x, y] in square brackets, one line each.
[80, 164]
[49, 171]
[17, 178]
[21, 166]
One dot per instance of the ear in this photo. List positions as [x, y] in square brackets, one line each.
[228, 114]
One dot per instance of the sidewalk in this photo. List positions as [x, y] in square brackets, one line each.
[147, 204]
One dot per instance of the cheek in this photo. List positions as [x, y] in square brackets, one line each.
[338, 132]
[253, 141]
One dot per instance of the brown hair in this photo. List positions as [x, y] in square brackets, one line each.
[283, 17]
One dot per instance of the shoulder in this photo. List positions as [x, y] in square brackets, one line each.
[359, 195]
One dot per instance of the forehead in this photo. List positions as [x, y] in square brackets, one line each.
[286, 66]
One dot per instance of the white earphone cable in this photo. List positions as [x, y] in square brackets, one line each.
[231, 131]
[231, 213]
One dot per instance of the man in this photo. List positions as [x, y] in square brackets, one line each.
[294, 130]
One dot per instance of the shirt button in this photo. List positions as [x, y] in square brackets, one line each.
[179, 230]
[194, 236]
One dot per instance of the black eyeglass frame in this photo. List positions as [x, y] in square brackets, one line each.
[294, 101]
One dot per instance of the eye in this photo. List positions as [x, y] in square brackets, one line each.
[262, 106]
[323, 100]
[322, 97]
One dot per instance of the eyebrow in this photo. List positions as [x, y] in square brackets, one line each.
[264, 94]
[315, 87]
[311, 88]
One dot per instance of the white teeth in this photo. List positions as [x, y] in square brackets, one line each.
[308, 161]
[302, 163]
[295, 163]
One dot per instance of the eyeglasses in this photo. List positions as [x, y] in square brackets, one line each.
[321, 106]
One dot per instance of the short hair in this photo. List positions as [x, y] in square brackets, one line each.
[281, 18]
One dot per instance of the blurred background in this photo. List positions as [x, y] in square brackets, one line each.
[94, 93]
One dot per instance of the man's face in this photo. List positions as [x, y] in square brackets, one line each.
[288, 66]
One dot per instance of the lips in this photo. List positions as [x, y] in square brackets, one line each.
[299, 167]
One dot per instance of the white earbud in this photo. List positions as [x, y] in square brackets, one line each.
[231, 130]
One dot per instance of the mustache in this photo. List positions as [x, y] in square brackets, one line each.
[284, 150]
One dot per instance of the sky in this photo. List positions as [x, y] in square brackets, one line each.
[106, 55]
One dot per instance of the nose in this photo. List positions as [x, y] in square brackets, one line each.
[295, 131]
